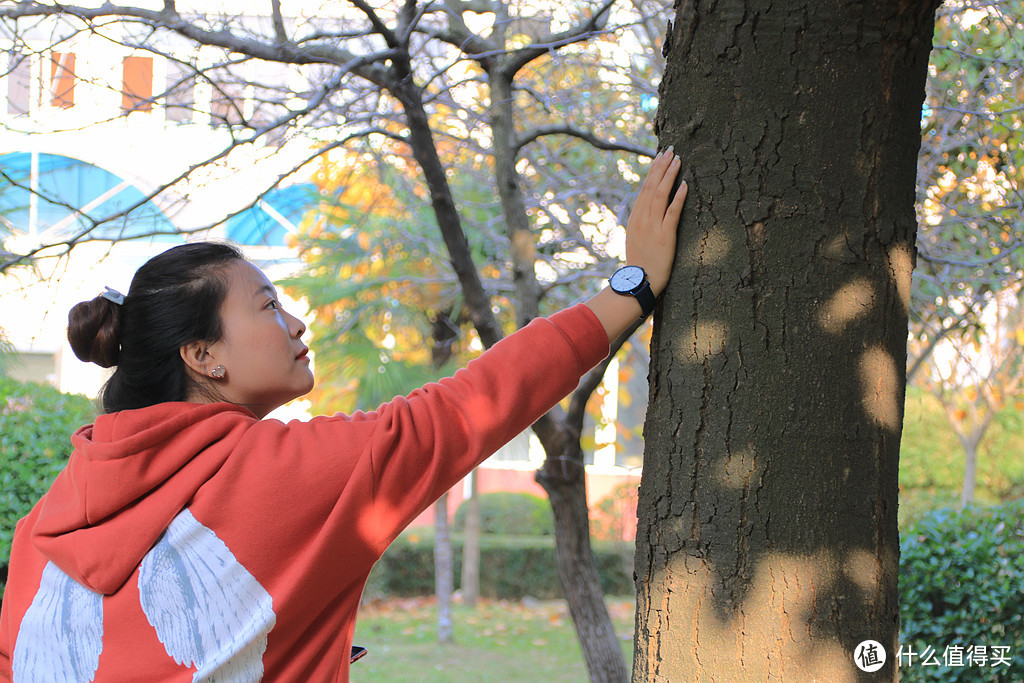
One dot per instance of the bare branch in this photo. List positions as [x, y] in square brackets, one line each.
[584, 30]
[587, 136]
[378, 26]
[1003, 254]
[366, 66]
[86, 234]
[278, 19]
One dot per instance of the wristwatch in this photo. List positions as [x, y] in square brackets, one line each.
[632, 281]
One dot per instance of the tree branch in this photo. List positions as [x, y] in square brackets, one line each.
[588, 385]
[365, 66]
[587, 136]
[971, 264]
[518, 59]
[278, 20]
[390, 39]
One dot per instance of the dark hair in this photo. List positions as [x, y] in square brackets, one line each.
[174, 299]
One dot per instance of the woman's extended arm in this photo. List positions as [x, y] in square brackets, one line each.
[650, 242]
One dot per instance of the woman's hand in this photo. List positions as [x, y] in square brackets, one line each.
[652, 226]
[650, 242]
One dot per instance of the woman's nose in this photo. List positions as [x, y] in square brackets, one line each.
[298, 327]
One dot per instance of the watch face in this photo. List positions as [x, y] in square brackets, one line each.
[627, 278]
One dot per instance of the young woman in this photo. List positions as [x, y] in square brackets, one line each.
[189, 539]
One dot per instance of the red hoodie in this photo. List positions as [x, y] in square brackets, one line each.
[195, 542]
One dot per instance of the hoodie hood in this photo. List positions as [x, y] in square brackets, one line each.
[129, 475]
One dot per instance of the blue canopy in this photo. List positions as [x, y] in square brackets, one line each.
[69, 189]
[278, 213]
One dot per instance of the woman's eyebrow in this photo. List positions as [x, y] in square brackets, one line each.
[268, 289]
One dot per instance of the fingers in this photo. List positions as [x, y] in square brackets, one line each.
[665, 165]
[661, 177]
[676, 207]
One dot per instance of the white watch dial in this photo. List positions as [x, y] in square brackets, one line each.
[627, 278]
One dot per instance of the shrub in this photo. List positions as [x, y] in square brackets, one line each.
[614, 513]
[507, 513]
[511, 568]
[961, 587]
[36, 423]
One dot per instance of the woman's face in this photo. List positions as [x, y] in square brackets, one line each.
[264, 359]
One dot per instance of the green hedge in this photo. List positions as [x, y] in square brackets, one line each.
[36, 423]
[510, 568]
[508, 513]
[962, 586]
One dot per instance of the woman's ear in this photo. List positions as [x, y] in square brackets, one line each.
[197, 357]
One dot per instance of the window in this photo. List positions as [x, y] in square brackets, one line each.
[62, 79]
[227, 104]
[18, 87]
[137, 79]
[180, 98]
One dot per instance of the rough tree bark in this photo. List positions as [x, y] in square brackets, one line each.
[767, 544]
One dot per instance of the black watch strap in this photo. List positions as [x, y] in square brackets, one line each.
[645, 297]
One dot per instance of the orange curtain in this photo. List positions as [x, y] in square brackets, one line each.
[62, 79]
[137, 93]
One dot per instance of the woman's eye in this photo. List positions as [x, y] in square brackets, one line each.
[274, 305]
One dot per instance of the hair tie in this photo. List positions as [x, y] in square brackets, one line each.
[113, 295]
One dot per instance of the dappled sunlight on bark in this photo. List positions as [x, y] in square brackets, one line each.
[767, 545]
[711, 250]
[736, 470]
[883, 393]
[790, 596]
[901, 265]
[709, 340]
[852, 301]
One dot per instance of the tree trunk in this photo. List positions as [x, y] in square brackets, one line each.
[518, 227]
[443, 332]
[444, 570]
[562, 476]
[767, 546]
[565, 483]
[596, 652]
[970, 472]
[971, 441]
[471, 544]
[424, 150]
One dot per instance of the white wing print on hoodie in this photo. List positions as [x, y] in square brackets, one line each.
[61, 634]
[207, 609]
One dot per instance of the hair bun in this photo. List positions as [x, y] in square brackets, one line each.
[93, 328]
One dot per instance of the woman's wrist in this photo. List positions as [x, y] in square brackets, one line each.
[616, 312]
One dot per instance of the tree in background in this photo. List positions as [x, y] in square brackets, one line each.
[767, 544]
[383, 307]
[975, 375]
[970, 170]
[34, 448]
[970, 184]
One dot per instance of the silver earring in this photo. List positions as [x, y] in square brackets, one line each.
[218, 372]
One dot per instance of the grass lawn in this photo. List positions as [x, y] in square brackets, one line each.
[497, 641]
